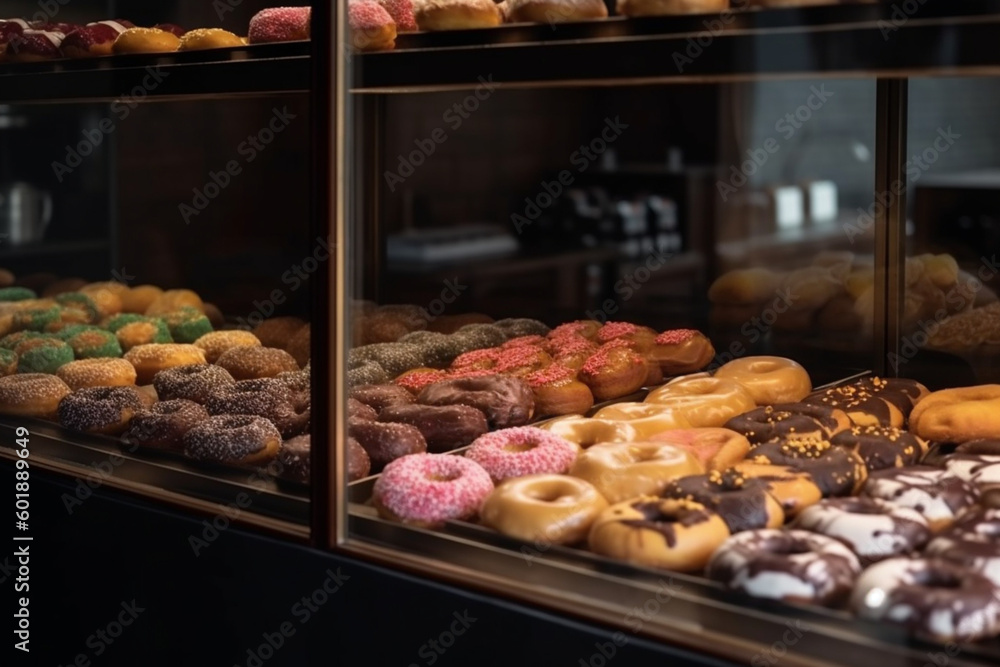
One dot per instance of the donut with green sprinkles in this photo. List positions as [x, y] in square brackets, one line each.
[47, 356]
[17, 294]
[8, 362]
[187, 325]
[36, 319]
[71, 330]
[81, 302]
[91, 344]
[116, 322]
[11, 341]
[148, 330]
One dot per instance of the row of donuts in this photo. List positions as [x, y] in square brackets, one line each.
[376, 23]
[31, 41]
[883, 524]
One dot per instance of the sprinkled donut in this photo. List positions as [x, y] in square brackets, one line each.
[43, 356]
[368, 372]
[681, 351]
[837, 471]
[358, 410]
[264, 397]
[386, 442]
[81, 303]
[514, 327]
[280, 24]
[743, 503]
[882, 446]
[558, 392]
[249, 363]
[244, 439]
[17, 294]
[429, 489]
[294, 458]
[164, 424]
[8, 362]
[149, 330]
[520, 451]
[638, 338]
[358, 463]
[36, 319]
[940, 497]
[484, 359]
[379, 396]
[477, 336]
[152, 358]
[106, 410]
[444, 427]
[934, 599]
[193, 382]
[613, 371]
[395, 358]
[972, 542]
[787, 419]
[31, 395]
[97, 373]
[94, 344]
[217, 342]
[415, 380]
[277, 331]
[873, 400]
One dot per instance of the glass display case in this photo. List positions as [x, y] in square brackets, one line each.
[427, 216]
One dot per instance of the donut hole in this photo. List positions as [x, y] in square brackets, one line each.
[792, 549]
[550, 495]
[518, 447]
[938, 579]
[444, 476]
[761, 367]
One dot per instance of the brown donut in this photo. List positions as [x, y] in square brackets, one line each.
[164, 424]
[358, 410]
[194, 382]
[299, 345]
[380, 396]
[294, 457]
[277, 331]
[789, 419]
[837, 471]
[444, 427]
[244, 439]
[250, 363]
[506, 401]
[882, 446]
[744, 503]
[106, 410]
[358, 463]
[264, 397]
[385, 443]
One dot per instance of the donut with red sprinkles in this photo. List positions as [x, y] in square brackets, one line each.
[401, 12]
[520, 451]
[280, 24]
[429, 489]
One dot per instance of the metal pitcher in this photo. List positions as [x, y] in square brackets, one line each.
[25, 213]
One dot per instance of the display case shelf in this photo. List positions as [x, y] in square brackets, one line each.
[836, 40]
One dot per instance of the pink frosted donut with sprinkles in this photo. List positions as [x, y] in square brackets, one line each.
[681, 351]
[401, 12]
[280, 24]
[483, 359]
[429, 489]
[520, 451]
[639, 338]
[418, 378]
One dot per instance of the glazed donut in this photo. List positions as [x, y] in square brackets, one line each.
[882, 446]
[715, 448]
[415, 380]
[294, 458]
[784, 420]
[506, 401]
[456, 14]
[743, 503]
[553, 11]
[647, 419]
[520, 451]
[208, 38]
[358, 463]
[429, 489]
[280, 24]
[558, 392]
[613, 371]
[672, 534]
[638, 338]
[358, 410]
[934, 599]
[669, 7]
[793, 489]
[381, 396]
[444, 427]
[704, 401]
[681, 351]
[874, 529]
[521, 361]
[386, 442]
[957, 415]
[31, 395]
[372, 29]
[587, 432]
[769, 379]
[545, 509]
[243, 439]
[264, 397]
[216, 343]
[250, 363]
[150, 359]
[837, 471]
[97, 373]
[193, 382]
[514, 327]
[621, 471]
[94, 39]
[972, 542]
[277, 331]
[106, 410]
[164, 424]
[187, 324]
[790, 565]
[145, 40]
[939, 496]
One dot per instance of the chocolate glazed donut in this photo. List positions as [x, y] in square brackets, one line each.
[506, 401]
[785, 419]
[882, 446]
[386, 442]
[837, 471]
[743, 503]
[444, 427]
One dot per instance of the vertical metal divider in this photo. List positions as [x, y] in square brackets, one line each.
[890, 221]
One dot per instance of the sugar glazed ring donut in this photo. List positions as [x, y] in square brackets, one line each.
[31, 395]
[715, 448]
[935, 599]
[242, 439]
[372, 29]
[429, 489]
[743, 503]
[587, 432]
[620, 471]
[250, 363]
[940, 497]
[150, 359]
[106, 410]
[874, 529]
[520, 451]
[789, 419]
[790, 565]
[164, 425]
[444, 427]
[97, 373]
[671, 534]
[704, 401]
[769, 380]
[958, 415]
[545, 509]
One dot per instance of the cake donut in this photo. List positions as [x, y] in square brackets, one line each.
[958, 415]
[264, 397]
[681, 351]
[586, 432]
[386, 442]
[882, 446]
[358, 463]
[545, 509]
[743, 503]
[784, 420]
[97, 373]
[381, 396]
[940, 497]
[672, 534]
[837, 471]
[193, 382]
[613, 371]
[715, 448]
[558, 392]
[456, 14]
[277, 331]
[163, 425]
[637, 337]
[520, 451]
[429, 489]
[209, 38]
[358, 410]
[704, 401]
[106, 410]
[42, 355]
[250, 363]
[621, 471]
[31, 395]
[216, 343]
[242, 439]
[280, 24]
[152, 358]
[794, 566]
[294, 458]
[145, 40]
[415, 380]
[972, 542]
[572, 352]
[932, 598]
[506, 401]
[874, 529]
[8, 362]
[769, 380]
[444, 427]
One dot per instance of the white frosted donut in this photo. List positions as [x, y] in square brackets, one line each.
[972, 542]
[975, 468]
[933, 492]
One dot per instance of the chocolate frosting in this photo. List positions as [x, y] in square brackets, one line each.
[837, 471]
[740, 501]
[506, 401]
[444, 427]
[954, 492]
[881, 446]
[857, 397]
[776, 421]
[979, 447]
[664, 521]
